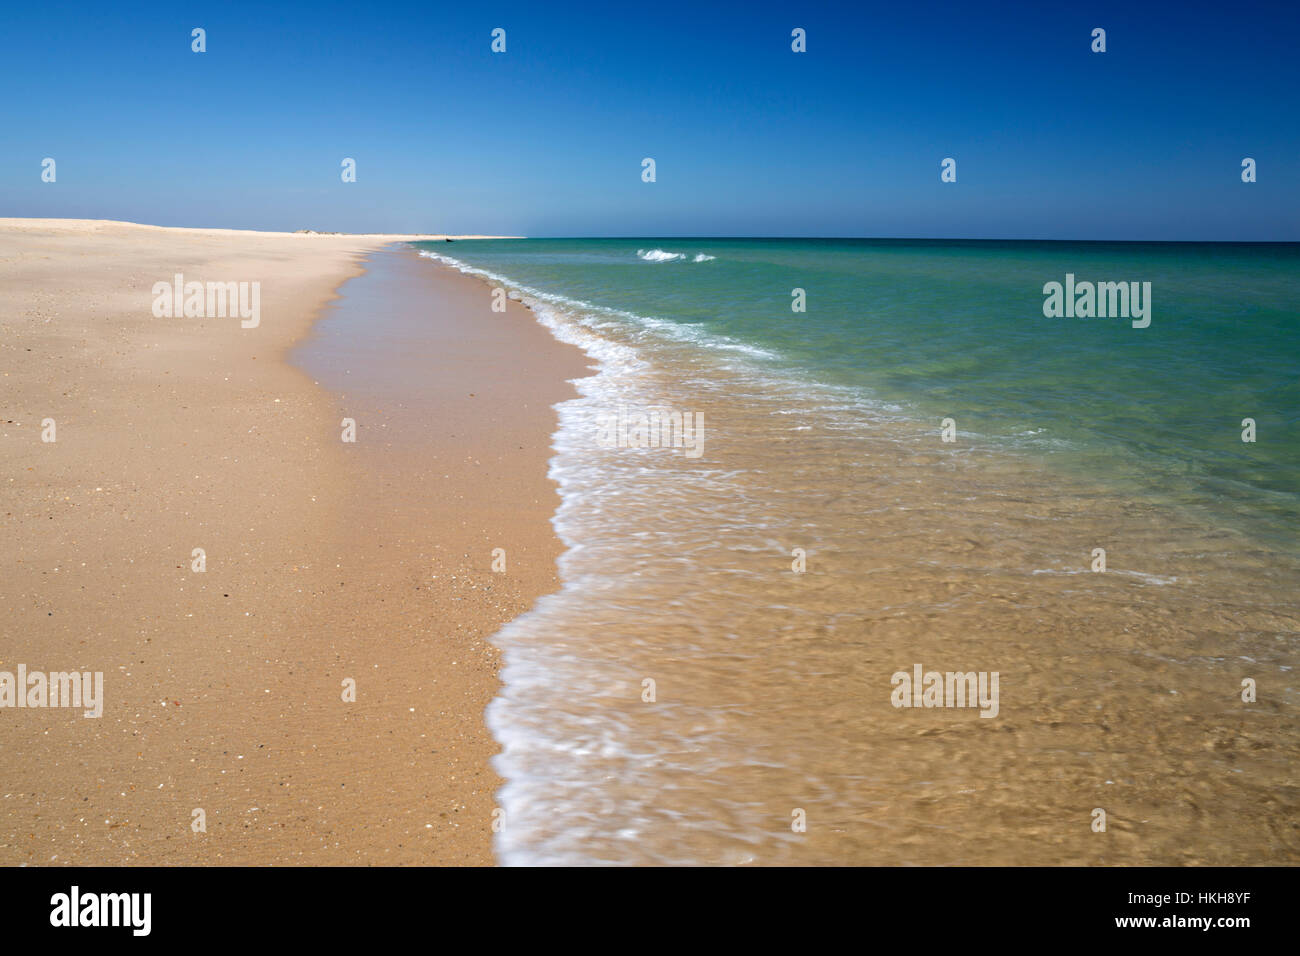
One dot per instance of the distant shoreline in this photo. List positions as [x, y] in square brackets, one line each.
[98, 225]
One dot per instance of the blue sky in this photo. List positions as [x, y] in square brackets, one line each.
[1051, 140]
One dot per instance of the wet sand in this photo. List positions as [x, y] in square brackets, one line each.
[325, 560]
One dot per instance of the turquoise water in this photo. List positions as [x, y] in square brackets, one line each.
[1076, 438]
[955, 329]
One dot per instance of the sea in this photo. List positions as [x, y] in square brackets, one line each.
[803, 470]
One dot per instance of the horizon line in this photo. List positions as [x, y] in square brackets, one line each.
[438, 237]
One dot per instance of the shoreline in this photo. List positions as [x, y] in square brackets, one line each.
[97, 226]
[1121, 690]
[460, 458]
[222, 687]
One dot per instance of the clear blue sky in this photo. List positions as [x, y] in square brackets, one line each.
[1051, 140]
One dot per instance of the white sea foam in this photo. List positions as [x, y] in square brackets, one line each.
[595, 318]
[661, 255]
[1143, 576]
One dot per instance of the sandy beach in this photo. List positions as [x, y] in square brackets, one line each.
[296, 532]
[325, 561]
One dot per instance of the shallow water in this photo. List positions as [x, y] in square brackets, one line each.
[1119, 690]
